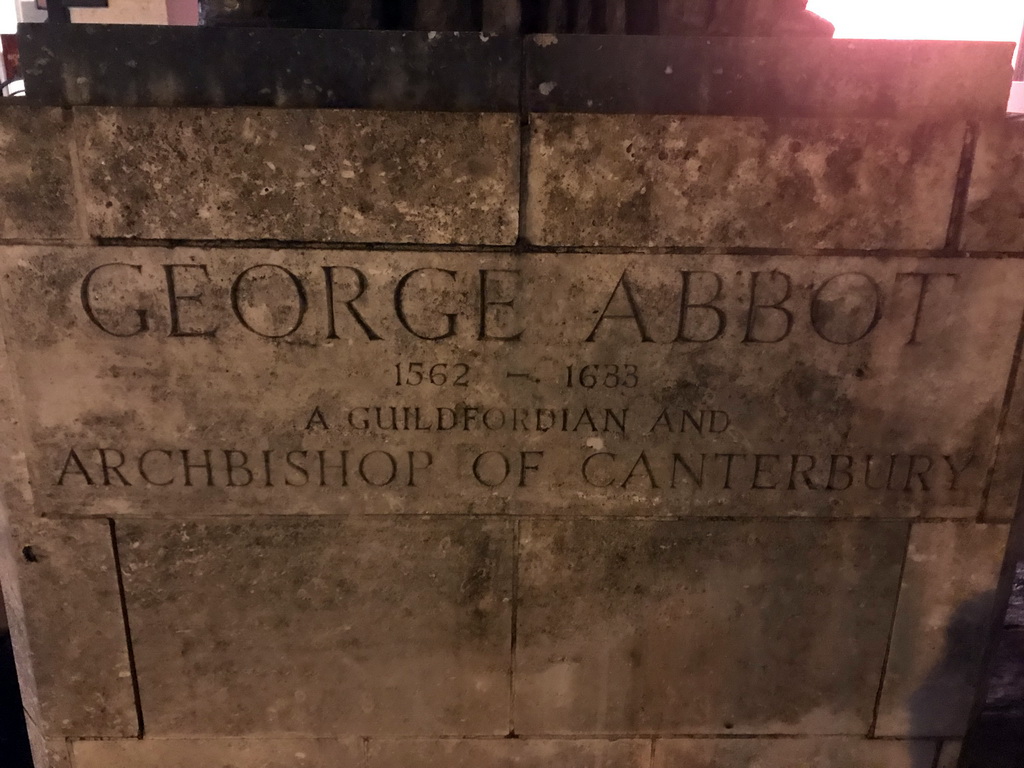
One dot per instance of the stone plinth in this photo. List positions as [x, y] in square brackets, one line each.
[507, 426]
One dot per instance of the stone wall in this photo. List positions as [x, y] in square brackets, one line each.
[706, 442]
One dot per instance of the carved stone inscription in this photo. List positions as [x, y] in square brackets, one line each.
[200, 382]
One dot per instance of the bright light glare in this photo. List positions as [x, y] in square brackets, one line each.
[8, 17]
[890, 19]
[924, 19]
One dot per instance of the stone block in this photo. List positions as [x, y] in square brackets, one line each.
[509, 753]
[48, 753]
[180, 66]
[994, 219]
[501, 16]
[222, 753]
[346, 176]
[792, 753]
[638, 180]
[949, 755]
[1008, 468]
[764, 76]
[68, 628]
[941, 629]
[321, 626]
[289, 383]
[703, 627]
[63, 604]
[37, 198]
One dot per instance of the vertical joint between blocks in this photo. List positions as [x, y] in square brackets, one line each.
[127, 628]
[892, 628]
[958, 210]
[77, 180]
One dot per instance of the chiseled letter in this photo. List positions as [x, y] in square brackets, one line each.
[73, 465]
[775, 306]
[174, 298]
[924, 280]
[91, 314]
[400, 305]
[634, 311]
[707, 305]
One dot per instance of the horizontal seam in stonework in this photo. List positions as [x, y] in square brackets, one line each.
[518, 248]
[601, 737]
[280, 516]
[45, 242]
[287, 245]
[610, 738]
[648, 735]
[526, 247]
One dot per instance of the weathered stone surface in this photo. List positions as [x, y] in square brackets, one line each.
[222, 753]
[320, 175]
[696, 181]
[1008, 469]
[792, 753]
[509, 753]
[501, 16]
[36, 186]
[63, 603]
[131, 66]
[703, 627]
[940, 633]
[443, 14]
[48, 753]
[325, 627]
[765, 76]
[994, 220]
[68, 630]
[949, 754]
[556, 381]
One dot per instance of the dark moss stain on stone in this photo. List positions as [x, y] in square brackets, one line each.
[36, 188]
[841, 168]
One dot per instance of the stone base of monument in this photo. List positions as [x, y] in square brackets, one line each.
[534, 411]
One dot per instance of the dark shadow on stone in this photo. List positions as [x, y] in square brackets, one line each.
[997, 738]
[14, 746]
[941, 706]
[995, 742]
